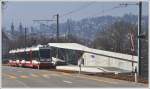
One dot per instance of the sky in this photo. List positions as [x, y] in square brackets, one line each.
[26, 12]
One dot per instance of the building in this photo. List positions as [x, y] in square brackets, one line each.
[99, 58]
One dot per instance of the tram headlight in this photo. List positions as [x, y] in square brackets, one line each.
[17, 61]
[10, 61]
[35, 62]
[23, 61]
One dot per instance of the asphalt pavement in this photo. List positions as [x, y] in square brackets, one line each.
[15, 77]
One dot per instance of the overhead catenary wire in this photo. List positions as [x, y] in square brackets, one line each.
[121, 5]
[42, 24]
[101, 12]
[78, 9]
[85, 6]
[110, 9]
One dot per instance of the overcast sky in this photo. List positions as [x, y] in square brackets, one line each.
[25, 12]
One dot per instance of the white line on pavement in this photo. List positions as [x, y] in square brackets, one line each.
[67, 81]
[46, 76]
[33, 75]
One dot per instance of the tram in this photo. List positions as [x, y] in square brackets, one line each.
[34, 57]
[44, 56]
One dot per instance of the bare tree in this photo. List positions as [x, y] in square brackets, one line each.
[115, 37]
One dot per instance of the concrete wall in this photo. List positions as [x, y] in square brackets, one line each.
[98, 60]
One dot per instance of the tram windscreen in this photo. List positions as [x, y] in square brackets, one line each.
[44, 53]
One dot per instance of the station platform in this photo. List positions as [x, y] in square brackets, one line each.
[92, 69]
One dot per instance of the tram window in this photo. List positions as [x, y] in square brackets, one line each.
[13, 56]
[44, 53]
[53, 52]
[35, 55]
[27, 56]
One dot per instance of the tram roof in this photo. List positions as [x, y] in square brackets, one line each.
[34, 48]
[76, 46]
[12, 51]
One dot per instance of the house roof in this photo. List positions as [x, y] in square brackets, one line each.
[72, 46]
[76, 46]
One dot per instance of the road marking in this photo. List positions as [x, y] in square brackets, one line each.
[97, 80]
[67, 81]
[55, 75]
[14, 77]
[91, 78]
[45, 75]
[66, 74]
[24, 76]
[34, 75]
[10, 76]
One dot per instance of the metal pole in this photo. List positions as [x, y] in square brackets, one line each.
[80, 69]
[135, 76]
[25, 42]
[57, 33]
[68, 28]
[139, 40]
[57, 27]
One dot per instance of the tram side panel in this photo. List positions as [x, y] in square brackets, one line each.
[41, 58]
